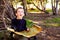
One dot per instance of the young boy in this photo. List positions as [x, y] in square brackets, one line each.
[18, 23]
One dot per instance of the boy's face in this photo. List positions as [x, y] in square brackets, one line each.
[20, 13]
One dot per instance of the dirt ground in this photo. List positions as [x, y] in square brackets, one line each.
[48, 33]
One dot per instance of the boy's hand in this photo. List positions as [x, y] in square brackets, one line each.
[28, 29]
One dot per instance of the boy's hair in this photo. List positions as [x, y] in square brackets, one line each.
[17, 9]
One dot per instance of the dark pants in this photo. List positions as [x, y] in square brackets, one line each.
[34, 38]
[11, 34]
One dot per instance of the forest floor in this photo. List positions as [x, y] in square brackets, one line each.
[51, 29]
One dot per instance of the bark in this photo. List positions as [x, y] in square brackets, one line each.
[6, 11]
[24, 6]
[9, 9]
[54, 7]
[43, 5]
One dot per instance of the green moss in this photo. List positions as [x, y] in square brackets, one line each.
[1, 35]
[49, 10]
[29, 23]
[55, 22]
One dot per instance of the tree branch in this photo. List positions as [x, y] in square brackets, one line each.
[40, 9]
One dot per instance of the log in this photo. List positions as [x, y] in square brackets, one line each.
[32, 32]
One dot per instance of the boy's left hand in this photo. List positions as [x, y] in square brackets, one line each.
[28, 29]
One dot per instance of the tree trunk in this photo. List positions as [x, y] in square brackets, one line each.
[9, 9]
[24, 6]
[53, 7]
[56, 6]
[6, 12]
[43, 4]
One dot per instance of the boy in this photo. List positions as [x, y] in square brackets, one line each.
[18, 23]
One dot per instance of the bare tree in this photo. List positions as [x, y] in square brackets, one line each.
[24, 6]
[57, 6]
[54, 6]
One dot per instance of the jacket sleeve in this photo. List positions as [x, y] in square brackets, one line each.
[12, 24]
[25, 25]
